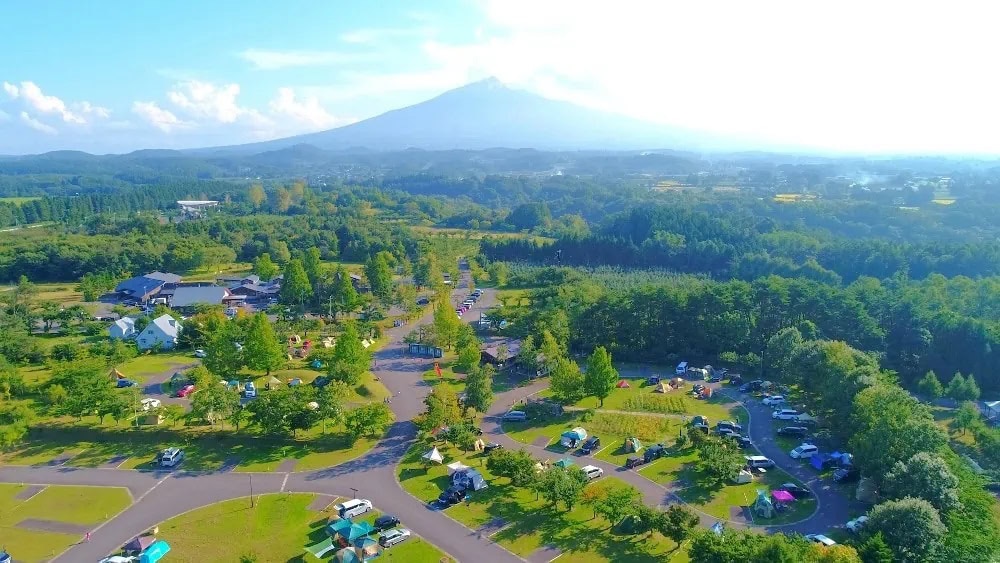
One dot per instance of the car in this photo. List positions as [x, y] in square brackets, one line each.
[785, 414]
[450, 497]
[820, 539]
[353, 507]
[199, 353]
[515, 416]
[150, 403]
[125, 383]
[249, 390]
[590, 445]
[796, 491]
[385, 522]
[759, 462]
[774, 400]
[745, 388]
[170, 457]
[742, 441]
[423, 301]
[723, 431]
[735, 380]
[792, 431]
[592, 472]
[392, 537]
[846, 475]
[803, 451]
[737, 428]
[856, 524]
[185, 391]
[492, 446]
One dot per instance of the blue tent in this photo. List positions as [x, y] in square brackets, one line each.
[154, 552]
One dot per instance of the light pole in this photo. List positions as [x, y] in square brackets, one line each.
[355, 491]
[251, 490]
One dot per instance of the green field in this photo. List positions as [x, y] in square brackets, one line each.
[277, 528]
[86, 506]
[19, 200]
[640, 397]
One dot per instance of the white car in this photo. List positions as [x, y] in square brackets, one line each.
[821, 539]
[803, 451]
[774, 400]
[199, 353]
[118, 559]
[394, 536]
[592, 472]
[249, 390]
[150, 403]
[856, 524]
[785, 414]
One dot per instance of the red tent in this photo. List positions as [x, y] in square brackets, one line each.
[622, 384]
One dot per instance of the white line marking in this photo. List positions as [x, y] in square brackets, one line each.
[284, 482]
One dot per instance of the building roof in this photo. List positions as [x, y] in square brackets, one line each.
[163, 276]
[187, 296]
[167, 325]
[139, 286]
[513, 347]
[125, 323]
[258, 288]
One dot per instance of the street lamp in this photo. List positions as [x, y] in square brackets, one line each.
[355, 491]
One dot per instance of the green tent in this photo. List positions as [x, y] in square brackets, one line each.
[763, 506]
[564, 462]
[632, 445]
[350, 531]
[322, 548]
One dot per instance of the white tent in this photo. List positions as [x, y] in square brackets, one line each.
[456, 466]
[434, 455]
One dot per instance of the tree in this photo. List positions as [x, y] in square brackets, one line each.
[174, 413]
[261, 348]
[499, 272]
[678, 522]
[370, 420]
[379, 277]
[223, 355]
[468, 355]
[618, 502]
[272, 411]
[558, 484]
[350, 359]
[516, 465]
[962, 388]
[911, 527]
[312, 263]
[874, 549]
[566, 381]
[427, 272]
[971, 391]
[344, 297]
[966, 417]
[527, 356]
[256, 196]
[719, 460]
[264, 267]
[15, 419]
[119, 352]
[601, 376]
[295, 287]
[930, 387]
[442, 409]
[238, 416]
[330, 398]
[479, 388]
[925, 476]
[214, 403]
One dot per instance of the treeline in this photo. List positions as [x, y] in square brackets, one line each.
[936, 324]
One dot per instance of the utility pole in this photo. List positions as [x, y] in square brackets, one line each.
[251, 490]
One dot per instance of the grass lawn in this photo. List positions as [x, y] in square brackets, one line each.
[35, 375]
[141, 367]
[62, 293]
[276, 529]
[76, 505]
[612, 428]
[640, 397]
[531, 523]
[368, 391]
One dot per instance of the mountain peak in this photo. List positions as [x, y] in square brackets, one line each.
[491, 83]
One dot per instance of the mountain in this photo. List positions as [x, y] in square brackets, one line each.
[488, 114]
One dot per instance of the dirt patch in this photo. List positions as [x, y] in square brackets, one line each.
[321, 503]
[540, 441]
[29, 491]
[544, 554]
[52, 526]
[286, 466]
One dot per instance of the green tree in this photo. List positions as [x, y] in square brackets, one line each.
[442, 409]
[479, 388]
[223, 353]
[558, 484]
[601, 375]
[261, 348]
[499, 273]
[566, 381]
[370, 420]
[15, 419]
[925, 476]
[468, 356]
[350, 359]
[958, 387]
[911, 527]
[427, 272]
[617, 502]
[971, 390]
[930, 387]
[272, 411]
[264, 267]
[446, 325]
[238, 416]
[678, 523]
[516, 465]
[873, 549]
[295, 287]
[343, 297]
[312, 263]
[966, 417]
[719, 460]
[174, 413]
[379, 277]
[330, 398]
[214, 403]
[256, 196]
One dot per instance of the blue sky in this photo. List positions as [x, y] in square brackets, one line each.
[852, 76]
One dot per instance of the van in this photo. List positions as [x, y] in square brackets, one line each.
[352, 508]
[681, 368]
[170, 457]
[758, 462]
[804, 451]
[785, 414]
[515, 416]
[394, 536]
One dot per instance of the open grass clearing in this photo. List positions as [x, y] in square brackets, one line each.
[640, 397]
[612, 428]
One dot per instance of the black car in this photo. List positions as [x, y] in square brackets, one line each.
[653, 452]
[385, 522]
[793, 431]
[492, 446]
[715, 378]
[796, 491]
[590, 445]
[724, 431]
[742, 441]
[321, 381]
[735, 380]
[846, 475]
[451, 496]
[632, 461]
[729, 425]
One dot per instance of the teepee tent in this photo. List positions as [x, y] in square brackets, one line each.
[632, 445]
[433, 456]
[763, 506]
[456, 466]
[622, 384]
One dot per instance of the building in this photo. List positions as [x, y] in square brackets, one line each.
[143, 288]
[991, 411]
[196, 208]
[161, 331]
[122, 329]
[189, 297]
[500, 352]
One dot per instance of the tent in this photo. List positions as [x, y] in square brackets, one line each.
[479, 445]
[632, 445]
[662, 387]
[272, 381]
[782, 496]
[718, 528]
[154, 552]
[318, 550]
[539, 467]
[433, 456]
[316, 364]
[471, 478]
[347, 530]
[312, 405]
[347, 555]
[622, 384]
[564, 462]
[456, 467]
[139, 544]
[571, 438]
[743, 476]
[115, 375]
[763, 506]
[652, 380]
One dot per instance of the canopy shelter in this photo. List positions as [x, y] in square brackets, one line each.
[743, 476]
[571, 438]
[456, 466]
[433, 456]
[564, 462]
[348, 531]
[139, 544]
[154, 552]
[763, 506]
[316, 364]
[782, 496]
[318, 550]
[632, 445]
[622, 384]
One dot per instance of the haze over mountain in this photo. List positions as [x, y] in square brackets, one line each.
[488, 114]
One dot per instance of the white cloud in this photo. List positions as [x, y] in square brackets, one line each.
[86, 108]
[11, 89]
[158, 117]
[378, 35]
[37, 125]
[31, 95]
[263, 59]
[305, 110]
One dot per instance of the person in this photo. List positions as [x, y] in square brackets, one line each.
[88, 536]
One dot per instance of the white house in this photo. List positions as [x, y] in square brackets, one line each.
[991, 410]
[162, 330]
[123, 328]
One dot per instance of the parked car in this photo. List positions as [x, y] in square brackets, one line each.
[170, 457]
[792, 431]
[150, 403]
[632, 461]
[803, 451]
[590, 445]
[185, 391]
[392, 537]
[492, 446]
[796, 491]
[199, 353]
[820, 539]
[758, 462]
[249, 390]
[774, 400]
[450, 497]
[353, 507]
[735, 380]
[515, 416]
[723, 431]
[385, 522]
[846, 475]
[653, 452]
[855, 525]
[742, 441]
[785, 414]
[730, 425]
[125, 383]
[592, 472]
